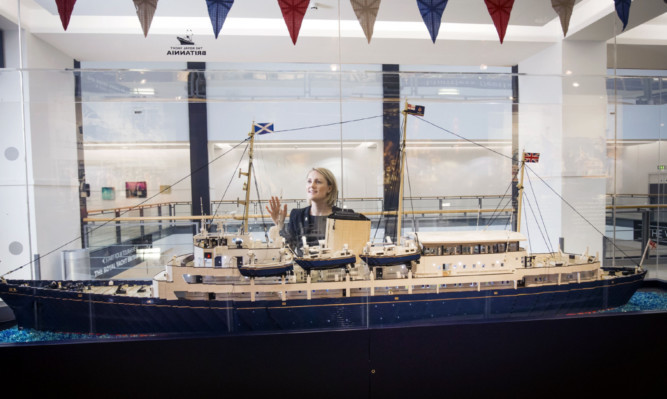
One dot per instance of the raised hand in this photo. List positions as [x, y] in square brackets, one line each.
[277, 212]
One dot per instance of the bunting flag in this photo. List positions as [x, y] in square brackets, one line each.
[564, 10]
[145, 12]
[431, 11]
[65, 8]
[623, 10]
[500, 13]
[263, 128]
[367, 12]
[293, 13]
[217, 11]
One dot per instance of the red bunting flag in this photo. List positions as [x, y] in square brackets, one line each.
[293, 13]
[564, 10]
[367, 12]
[65, 8]
[500, 13]
[145, 12]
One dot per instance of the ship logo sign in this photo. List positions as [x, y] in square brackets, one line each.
[186, 46]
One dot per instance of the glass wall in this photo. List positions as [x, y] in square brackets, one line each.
[103, 210]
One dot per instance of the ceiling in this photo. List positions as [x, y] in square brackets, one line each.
[255, 31]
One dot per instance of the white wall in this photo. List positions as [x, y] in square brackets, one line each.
[53, 133]
[14, 236]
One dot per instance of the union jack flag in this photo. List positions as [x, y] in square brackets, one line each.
[415, 110]
[532, 157]
[263, 128]
[652, 244]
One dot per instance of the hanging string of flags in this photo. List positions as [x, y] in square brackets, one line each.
[294, 11]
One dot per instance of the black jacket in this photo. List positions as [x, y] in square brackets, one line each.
[296, 228]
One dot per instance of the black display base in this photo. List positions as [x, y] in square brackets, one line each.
[616, 355]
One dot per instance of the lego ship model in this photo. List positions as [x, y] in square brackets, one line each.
[235, 284]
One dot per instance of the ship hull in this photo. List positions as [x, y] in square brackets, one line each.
[70, 311]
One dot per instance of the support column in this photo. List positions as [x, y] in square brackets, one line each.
[391, 140]
[198, 118]
[516, 154]
[84, 188]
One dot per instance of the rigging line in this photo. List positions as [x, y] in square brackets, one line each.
[530, 244]
[539, 212]
[392, 196]
[395, 186]
[328, 124]
[538, 176]
[463, 138]
[230, 180]
[178, 181]
[495, 215]
[259, 201]
[582, 216]
[340, 111]
[539, 228]
[412, 205]
[123, 213]
[393, 190]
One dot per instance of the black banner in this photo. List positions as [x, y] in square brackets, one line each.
[112, 260]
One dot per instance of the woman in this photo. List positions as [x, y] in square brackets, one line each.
[311, 221]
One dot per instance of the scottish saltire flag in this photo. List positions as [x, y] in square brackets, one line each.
[532, 157]
[263, 128]
[415, 110]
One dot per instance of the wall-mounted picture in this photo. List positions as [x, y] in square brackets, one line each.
[108, 193]
[165, 189]
[135, 189]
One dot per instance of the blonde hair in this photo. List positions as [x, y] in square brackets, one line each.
[332, 196]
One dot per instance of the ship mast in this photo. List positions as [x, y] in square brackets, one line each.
[399, 214]
[520, 187]
[246, 185]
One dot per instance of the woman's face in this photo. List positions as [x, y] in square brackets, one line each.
[317, 187]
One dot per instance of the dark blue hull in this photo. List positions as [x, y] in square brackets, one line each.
[374, 261]
[259, 271]
[68, 311]
[322, 264]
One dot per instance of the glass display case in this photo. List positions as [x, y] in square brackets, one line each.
[136, 193]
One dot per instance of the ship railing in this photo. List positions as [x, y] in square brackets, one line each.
[253, 290]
